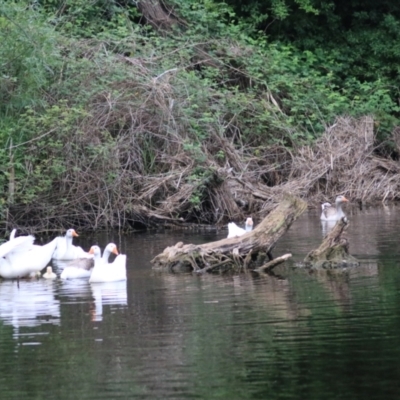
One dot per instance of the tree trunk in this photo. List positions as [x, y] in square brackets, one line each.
[247, 251]
[334, 250]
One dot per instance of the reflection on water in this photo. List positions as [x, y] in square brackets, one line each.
[28, 304]
[109, 293]
[327, 226]
[292, 334]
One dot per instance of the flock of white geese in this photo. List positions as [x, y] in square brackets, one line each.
[20, 257]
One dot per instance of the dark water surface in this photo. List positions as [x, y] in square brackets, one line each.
[292, 335]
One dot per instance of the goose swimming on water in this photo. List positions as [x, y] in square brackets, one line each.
[19, 257]
[78, 268]
[103, 271]
[66, 251]
[49, 274]
[333, 213]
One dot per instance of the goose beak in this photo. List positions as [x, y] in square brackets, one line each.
[91, 251]
[74, 234]
[115, 250]
[345, 199]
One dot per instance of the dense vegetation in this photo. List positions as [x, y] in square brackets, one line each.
[125, 114]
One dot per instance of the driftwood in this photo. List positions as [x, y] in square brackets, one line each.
[247, 251]
[334, 249]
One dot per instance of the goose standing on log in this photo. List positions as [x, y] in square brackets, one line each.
[236, 231]
[334, 213]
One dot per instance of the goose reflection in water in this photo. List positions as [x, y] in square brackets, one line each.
[75, 291]
[28, 304]
[327, 226]
[109, 293]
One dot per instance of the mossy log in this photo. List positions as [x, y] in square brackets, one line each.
[247, 251]
[334, 249]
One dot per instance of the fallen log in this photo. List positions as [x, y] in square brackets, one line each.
[247, 251]
[334, 249]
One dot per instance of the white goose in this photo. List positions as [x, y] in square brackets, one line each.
[66, 251]
[104, 271]
[19, 257]
[323, 206]
[334, 213]
[49, 274]
[236, 231]
[81, 267]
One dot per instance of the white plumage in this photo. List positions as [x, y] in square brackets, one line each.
[78, 268]
[333, 213]
[49, 274]
[236, 231]
[66, 251]
[19, 257]
[323, 206]
[103, 271]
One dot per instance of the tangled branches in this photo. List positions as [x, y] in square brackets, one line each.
[135, 157]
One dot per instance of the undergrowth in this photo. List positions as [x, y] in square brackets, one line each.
[108, 122]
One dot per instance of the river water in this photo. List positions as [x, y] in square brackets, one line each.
[294, 334]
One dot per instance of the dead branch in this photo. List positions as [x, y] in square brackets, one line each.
[272, 264]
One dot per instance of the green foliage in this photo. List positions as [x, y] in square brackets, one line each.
[355, 46]
[28, 57]
[295, 90]
[38, 163]
[87, 19]
[85, 87]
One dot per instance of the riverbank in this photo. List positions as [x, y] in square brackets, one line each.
[118, 119]
[247, 181]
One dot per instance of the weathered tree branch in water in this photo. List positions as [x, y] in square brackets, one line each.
[273, 263]
[334, 249]
[247, 251]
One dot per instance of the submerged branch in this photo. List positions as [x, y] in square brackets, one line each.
[273, 263]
